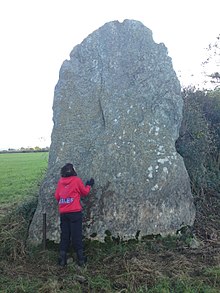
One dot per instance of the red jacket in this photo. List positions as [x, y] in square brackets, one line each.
[68, 193]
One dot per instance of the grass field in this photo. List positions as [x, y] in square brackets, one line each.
[20, 174]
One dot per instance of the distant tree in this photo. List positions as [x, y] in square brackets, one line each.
[211, 64]
[211, 109]
[11, 150]
[37, 148]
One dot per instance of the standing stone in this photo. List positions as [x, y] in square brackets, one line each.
[117, 112]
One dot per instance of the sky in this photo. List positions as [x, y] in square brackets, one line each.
[38, 35]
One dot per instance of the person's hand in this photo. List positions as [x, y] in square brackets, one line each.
[90, 182]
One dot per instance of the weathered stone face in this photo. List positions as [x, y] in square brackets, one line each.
[117, 112]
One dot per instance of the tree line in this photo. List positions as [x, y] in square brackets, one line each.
[26, 150]
[199, 137]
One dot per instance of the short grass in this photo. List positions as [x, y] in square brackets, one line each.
[20, 174]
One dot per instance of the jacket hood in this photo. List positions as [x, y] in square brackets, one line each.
[66, 180]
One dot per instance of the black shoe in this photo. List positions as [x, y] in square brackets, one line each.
[82, 262]
[81, 259]
[62, 261]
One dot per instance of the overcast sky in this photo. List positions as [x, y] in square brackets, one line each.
[38, 35]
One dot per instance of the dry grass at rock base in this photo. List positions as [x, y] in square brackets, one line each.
[140, 267]
[149, 267]
[156, 265]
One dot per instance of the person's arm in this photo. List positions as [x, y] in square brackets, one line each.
[85, 189]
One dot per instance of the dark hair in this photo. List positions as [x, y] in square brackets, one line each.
[68, 170]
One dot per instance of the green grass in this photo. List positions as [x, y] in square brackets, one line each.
[20, 174]
[23, 284]
[20, 177]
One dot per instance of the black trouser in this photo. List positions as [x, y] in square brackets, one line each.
[71, 228]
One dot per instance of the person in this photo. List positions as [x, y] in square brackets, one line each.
[68, 193]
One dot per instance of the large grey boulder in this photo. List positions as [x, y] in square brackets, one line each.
[117, 112]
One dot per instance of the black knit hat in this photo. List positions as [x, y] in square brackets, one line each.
[68, 170]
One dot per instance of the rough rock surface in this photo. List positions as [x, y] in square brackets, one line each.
[117, 112]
